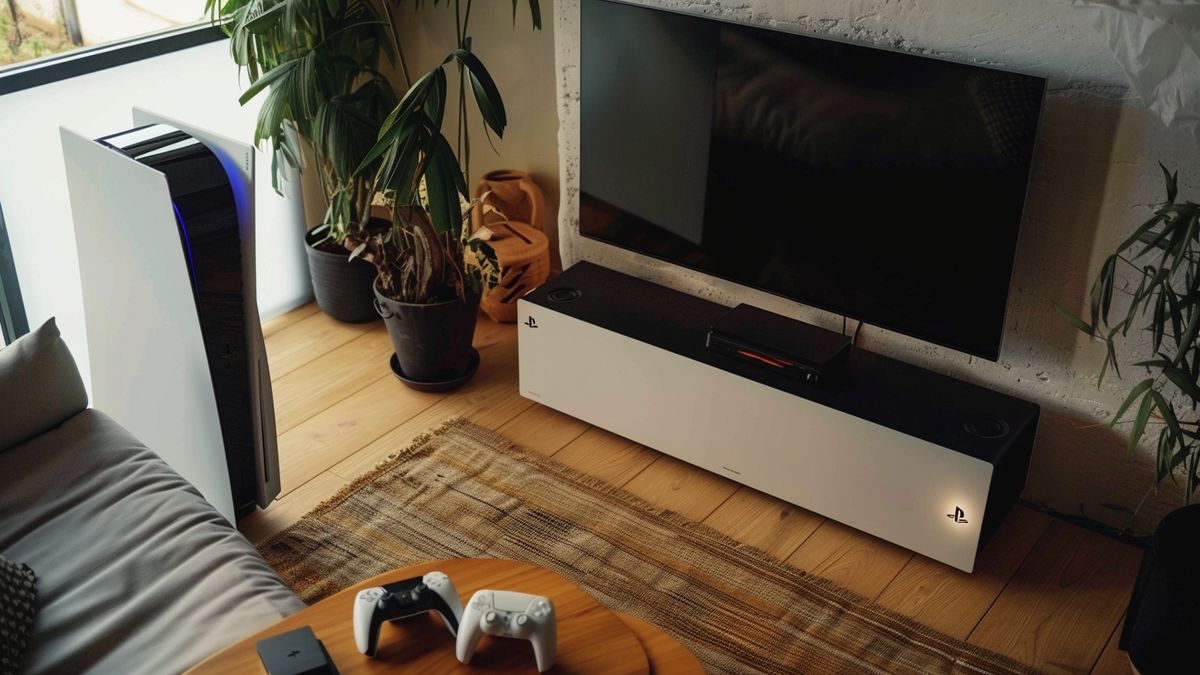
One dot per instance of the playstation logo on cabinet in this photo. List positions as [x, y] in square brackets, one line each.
[959, 516]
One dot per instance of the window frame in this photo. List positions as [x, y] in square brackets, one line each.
[13, 321]
[86, 60]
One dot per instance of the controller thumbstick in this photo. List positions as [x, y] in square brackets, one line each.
[522, 620]
[490, 617]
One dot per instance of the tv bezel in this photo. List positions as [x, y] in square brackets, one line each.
[999, 343]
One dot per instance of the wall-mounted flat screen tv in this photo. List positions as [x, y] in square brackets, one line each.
[880, 185]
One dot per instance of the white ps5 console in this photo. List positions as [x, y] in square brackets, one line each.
[923, 460]
[164, 227]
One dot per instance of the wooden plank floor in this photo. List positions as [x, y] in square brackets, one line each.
[1044, 592]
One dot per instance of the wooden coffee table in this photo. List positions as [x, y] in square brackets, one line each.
[591, 638]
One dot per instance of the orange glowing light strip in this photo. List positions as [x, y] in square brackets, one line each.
[759, 357]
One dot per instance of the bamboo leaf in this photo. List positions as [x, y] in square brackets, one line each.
[1139, 390]
[1189, 335]
[1172, 181]
[1176, 313]
[1175, 460]
[1139, 424]
[1183, 382]
[1079, 323]
[1142, 231]
[1158, 322]
[1159, 239]
[1112, 351]
[1168, 415]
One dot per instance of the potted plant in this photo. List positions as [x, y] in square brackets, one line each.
[1163, 257]
[320, 63]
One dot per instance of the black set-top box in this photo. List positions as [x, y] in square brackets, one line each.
[793, 348]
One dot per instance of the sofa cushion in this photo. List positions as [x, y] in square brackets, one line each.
[39, 385]
[18, 603]
[137, 573]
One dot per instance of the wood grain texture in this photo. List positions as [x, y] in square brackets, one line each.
[606, 455]
[307, 390]
[851, 559]
[346, 427]
[275, 324]
[307, 339]
[543, 429]
[490, 399]
[1059, 609]
[954, 601]
[1056, 607]
[591, 639]
[669, 483]
[1113, 661]
[764, 522]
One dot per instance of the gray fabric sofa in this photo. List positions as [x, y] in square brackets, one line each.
[137, 573]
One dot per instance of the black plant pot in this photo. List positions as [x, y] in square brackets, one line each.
[432, 342]
[1163, 620]
[342, 286]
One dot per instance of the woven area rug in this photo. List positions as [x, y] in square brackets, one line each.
[464, 491]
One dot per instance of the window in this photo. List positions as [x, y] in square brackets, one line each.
[36, 29]
[13, 323]
[43, 42]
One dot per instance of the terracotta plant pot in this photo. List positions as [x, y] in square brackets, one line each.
[521, 245]
[432, 341]
[342, 286]
[515, 195]
[524, 256]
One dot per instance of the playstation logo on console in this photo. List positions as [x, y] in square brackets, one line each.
[530, 322]
[958, 516]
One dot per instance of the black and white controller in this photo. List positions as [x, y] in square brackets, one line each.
[400, 600]
[512, 615]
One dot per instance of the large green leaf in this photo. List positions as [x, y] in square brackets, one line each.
[444, 182]
[487, 95]
[263, 20]
[276, 74]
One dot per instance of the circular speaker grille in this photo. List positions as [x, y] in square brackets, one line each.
[564, 295]
[986, 426]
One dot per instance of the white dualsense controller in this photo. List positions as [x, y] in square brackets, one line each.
[512, 615]
[400, 600]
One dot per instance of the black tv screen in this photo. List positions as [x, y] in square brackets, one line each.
[883, 186]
